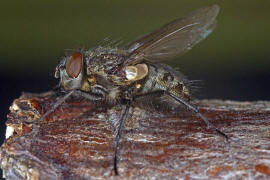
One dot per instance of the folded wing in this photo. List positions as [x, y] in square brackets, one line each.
[174, 38]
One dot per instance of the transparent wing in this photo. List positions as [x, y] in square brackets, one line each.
[174, 38]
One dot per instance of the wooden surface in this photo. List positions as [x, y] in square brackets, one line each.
[75, 142]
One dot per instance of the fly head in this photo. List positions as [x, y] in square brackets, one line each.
[71, 71]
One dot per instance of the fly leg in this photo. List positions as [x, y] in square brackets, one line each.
[196, 110]
[61, 100]
[118, 136]
[58, 103]
[188, 105]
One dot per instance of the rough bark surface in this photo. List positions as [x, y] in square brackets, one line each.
[76, 141]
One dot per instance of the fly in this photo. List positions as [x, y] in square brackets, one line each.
[132, 73]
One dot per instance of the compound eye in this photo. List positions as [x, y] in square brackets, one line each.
[74, 65]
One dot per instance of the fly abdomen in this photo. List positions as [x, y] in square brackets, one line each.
[164, 78]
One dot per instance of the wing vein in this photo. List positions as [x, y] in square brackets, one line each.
[174, 32]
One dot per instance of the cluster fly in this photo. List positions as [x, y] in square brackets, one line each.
[132, 73]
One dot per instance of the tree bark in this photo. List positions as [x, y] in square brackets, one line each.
[76, 141]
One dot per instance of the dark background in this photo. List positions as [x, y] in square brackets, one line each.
[233, 61]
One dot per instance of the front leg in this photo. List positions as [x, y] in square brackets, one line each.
[61, 100]
[58, 103]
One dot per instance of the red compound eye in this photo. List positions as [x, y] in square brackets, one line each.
[74, 65]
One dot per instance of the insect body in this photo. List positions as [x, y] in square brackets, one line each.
[124, 75]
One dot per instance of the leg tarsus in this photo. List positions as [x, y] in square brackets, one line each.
[212, 126]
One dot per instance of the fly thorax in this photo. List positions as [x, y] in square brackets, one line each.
[103, 59]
